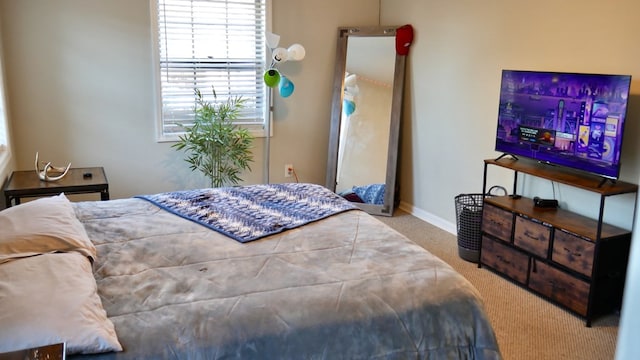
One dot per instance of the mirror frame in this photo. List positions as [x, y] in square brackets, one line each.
[344, 33]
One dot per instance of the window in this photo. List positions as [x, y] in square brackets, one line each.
[209, 45]
[3, 122]
[4, 136]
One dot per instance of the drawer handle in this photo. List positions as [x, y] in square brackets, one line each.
[576, 254]
[502, 258]
[530, 235]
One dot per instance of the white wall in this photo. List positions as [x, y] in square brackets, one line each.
[80, 87]
[627, 347]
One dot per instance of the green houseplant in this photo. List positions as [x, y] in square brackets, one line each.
[216, 146]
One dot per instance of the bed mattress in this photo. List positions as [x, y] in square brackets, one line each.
[345, 287]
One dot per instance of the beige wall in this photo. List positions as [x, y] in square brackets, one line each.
[81, 89]
[453, 78]
[6, 159]
[460, 48]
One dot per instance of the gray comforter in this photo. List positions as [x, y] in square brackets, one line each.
[346, 287]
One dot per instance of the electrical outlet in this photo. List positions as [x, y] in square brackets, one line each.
[288, 170]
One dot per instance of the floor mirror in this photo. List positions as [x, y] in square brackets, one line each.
[365, 118]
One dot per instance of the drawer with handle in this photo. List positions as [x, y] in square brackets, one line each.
[559, 286]
[532, 236]
[497, 222]
[573, 252]
[504, 259]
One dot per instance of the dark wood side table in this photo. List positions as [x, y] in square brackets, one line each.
[24, 184]
[47, 352]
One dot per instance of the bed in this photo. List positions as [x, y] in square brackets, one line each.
[343, 286]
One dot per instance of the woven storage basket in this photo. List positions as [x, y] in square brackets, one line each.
[469, 220]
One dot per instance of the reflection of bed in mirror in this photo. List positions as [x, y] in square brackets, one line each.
[365, 118]
[364, 136]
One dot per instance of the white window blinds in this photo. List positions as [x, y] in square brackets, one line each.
[210, 45]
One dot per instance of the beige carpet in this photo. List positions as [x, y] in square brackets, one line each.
[527, 326]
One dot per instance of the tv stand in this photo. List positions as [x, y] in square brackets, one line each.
[574, 261]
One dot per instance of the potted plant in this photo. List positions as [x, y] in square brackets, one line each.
[216, 146]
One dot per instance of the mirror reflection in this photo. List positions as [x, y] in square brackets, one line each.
[365, 118]
[364, 124]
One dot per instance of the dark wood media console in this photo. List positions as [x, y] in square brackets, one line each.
[572, 260]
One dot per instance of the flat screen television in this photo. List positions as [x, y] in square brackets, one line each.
[567, 119]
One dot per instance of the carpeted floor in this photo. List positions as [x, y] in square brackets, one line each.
[527, 326]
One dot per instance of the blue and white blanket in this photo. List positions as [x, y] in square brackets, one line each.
[248, 213]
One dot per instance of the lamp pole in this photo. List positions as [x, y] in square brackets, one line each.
[267, 140]
[272, 78]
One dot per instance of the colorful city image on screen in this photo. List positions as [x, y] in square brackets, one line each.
[569, 119]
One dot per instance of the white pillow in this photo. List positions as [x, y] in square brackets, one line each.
[42, 226]
[52, 298]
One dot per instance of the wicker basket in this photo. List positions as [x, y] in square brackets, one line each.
[468, 222]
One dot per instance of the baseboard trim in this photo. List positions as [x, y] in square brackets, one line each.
[428, 217]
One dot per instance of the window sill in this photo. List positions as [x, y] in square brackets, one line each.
[258, 131]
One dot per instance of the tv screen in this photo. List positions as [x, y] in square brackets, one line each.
[568, 119]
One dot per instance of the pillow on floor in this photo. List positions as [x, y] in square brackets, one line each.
[42, 226]
[52, 298]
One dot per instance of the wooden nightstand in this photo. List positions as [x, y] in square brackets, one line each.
[24, 184]
[47, 352]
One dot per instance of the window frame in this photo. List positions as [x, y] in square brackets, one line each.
[5, 141]
[257, 129]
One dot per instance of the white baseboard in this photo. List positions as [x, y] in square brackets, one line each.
[429, 217]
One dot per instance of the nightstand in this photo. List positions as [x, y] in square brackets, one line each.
[47, 352]
[24, 184]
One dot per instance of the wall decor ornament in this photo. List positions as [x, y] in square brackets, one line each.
[50, 172]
